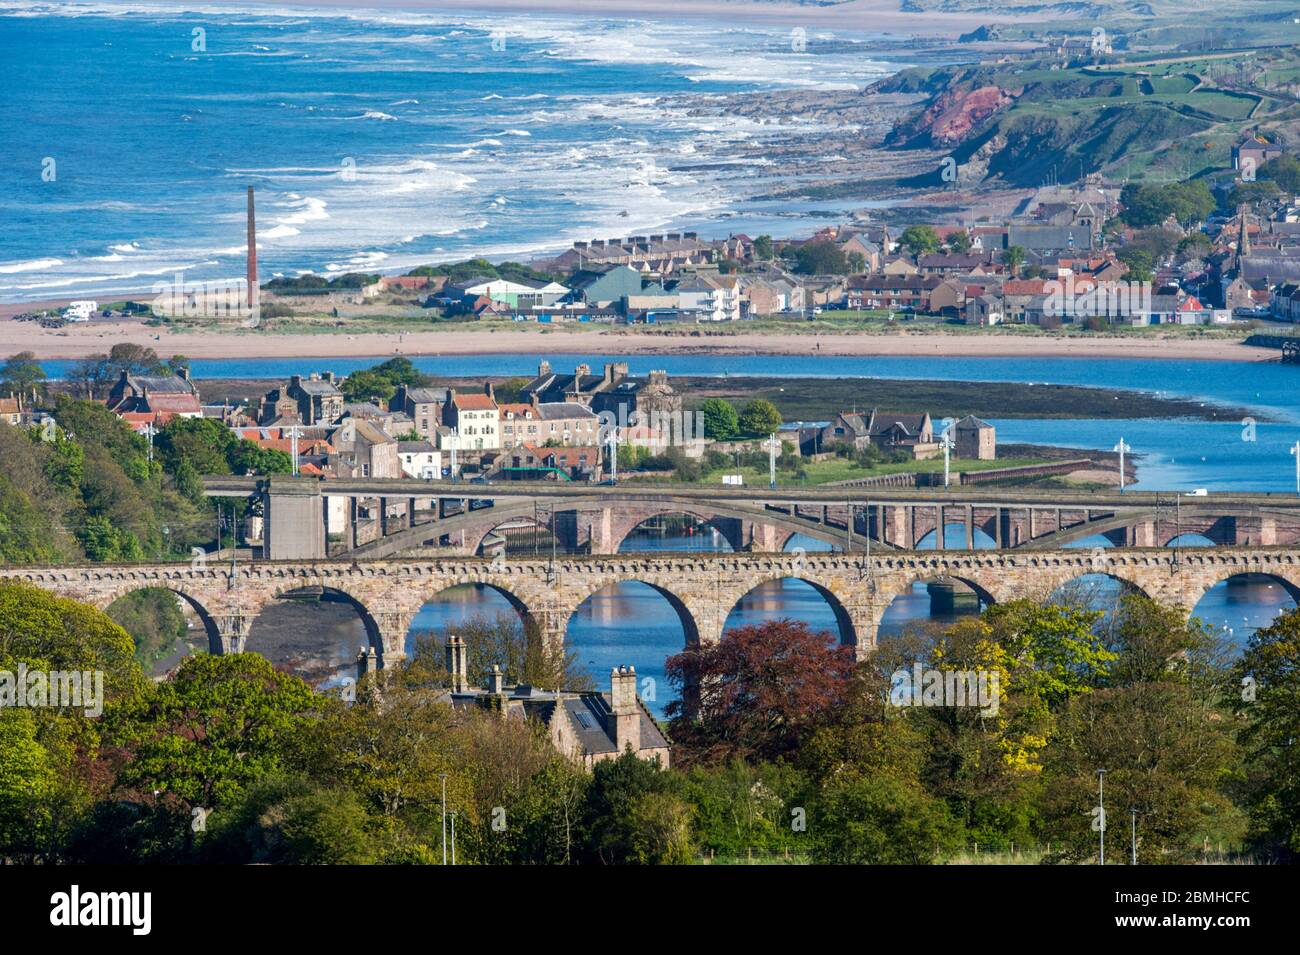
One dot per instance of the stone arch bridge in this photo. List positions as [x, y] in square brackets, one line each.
[702, 588]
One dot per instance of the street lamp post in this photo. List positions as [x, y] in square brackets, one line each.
[453, 837]
[946, 441]
[772, 446]
[613, 454]
[1101, 808]
[1134, 837]
[1295, 453]
[443, 777]
[1123, 448]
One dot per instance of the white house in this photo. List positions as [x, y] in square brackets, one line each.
[420, 459]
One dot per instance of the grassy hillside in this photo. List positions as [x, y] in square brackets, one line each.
[1152, 117]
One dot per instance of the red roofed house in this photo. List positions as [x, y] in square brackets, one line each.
[476, 419]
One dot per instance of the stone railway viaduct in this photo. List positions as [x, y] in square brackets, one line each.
[408, 541]
[703, 589]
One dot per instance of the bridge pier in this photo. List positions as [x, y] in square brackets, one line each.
[1258, 531]
[294, 516]
[232, 633]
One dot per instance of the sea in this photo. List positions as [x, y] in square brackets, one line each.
[378, 140]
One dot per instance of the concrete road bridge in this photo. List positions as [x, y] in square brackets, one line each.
[312, 518]
[702, 588]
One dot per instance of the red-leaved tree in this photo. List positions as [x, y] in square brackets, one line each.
[757, 693]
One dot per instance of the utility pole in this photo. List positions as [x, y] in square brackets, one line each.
[293, 447]
[150, 431]
[1123, 449]
[613, 454]
[773, 446]
[443, 777]
[453, 837]
[946, 441]
[1101, 811]
[1135, 835]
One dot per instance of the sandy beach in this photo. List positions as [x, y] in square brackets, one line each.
[80, 341]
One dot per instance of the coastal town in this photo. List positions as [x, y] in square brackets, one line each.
[1090, 257]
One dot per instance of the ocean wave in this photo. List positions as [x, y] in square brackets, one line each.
[375, 114]
[30, 265]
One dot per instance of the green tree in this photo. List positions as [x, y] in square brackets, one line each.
[763, 248]
[221, 723]
[1266, 688]
[22, 374]
[821, 257]
[877, 821]
[760, 418]
[289, 820]
[721, 423]
[920, 239]
[248, 457]
[1285, 171]
[1013, 257]
[632, 816]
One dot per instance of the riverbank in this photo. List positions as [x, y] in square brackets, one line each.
[98, 337]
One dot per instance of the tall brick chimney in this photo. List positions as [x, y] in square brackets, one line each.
[625, 711]
[252, 252]
[456, 664]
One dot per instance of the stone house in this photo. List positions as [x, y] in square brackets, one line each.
[364, 450]
[587, 727]
[424, 406]
[562, 422]
[162, 397]
[975, 439]
[318, 398]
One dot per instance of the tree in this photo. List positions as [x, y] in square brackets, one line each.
[1013, 257]
[248, 457]
[1141, 264]
[1285, 171]
[1267, 695]
[721, 422]
[633, 816]
[757, 692]
[205, 444]
[1156, 725]
[763, 248]
[134, 360]
[1148, 205]
[22, 374]
[367, 385]
[920, 239]
[291, 820]
[759, 419]
[220, 724]
[877, 821]
[821, 257]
